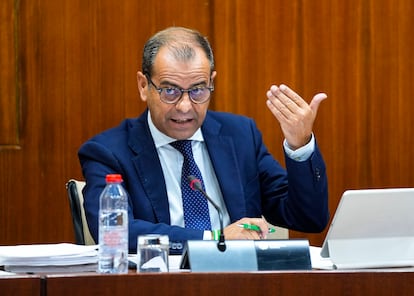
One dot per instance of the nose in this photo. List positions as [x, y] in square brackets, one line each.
[184, 104]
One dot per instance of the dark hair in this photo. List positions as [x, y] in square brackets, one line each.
[181, 41]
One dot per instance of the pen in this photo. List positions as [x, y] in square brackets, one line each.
[254, 227]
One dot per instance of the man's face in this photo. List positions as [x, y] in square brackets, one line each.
[181, 120]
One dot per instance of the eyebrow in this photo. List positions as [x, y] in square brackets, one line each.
[166, 82]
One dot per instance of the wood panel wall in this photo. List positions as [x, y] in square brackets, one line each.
[68, 71]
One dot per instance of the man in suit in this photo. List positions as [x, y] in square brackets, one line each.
[238, 172]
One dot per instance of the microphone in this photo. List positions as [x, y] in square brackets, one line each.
[195, 185]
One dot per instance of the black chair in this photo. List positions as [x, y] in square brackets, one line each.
[80, 225]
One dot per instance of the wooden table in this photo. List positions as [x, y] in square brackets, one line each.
[361, 282]
[21, 285]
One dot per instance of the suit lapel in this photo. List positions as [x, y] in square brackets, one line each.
[148, 167]
[224, 159]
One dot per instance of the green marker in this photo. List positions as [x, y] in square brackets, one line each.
[255, 227]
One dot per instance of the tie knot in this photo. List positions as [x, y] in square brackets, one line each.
[184, 146]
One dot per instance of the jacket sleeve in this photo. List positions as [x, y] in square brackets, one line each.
[305, 206]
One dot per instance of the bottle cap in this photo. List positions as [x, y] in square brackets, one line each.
[113, 178]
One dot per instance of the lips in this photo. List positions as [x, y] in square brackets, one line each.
[184, 120]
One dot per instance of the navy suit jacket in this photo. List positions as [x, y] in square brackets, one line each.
[252, 182]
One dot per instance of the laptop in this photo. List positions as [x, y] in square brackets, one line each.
[372, 228]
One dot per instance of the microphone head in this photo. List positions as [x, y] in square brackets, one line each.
[195, 184]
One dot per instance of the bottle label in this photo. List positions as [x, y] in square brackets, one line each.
[113, 218]
[112, 238]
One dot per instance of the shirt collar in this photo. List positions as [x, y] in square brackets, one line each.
[161, 139]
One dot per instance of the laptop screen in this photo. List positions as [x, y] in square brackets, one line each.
[371, 215]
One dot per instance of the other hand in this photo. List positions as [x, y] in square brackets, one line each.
[296, 117]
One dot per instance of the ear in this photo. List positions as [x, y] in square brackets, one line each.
[142, 83]
[213, 75]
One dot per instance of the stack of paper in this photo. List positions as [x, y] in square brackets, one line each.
[49, 257]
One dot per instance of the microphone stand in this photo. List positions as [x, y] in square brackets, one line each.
[195, 184]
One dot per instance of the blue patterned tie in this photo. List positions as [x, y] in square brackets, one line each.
[195, 205]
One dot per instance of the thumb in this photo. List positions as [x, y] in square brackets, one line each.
[316, 101]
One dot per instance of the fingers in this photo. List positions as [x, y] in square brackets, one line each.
[290, 98]
[247, 228]
[316, 101]
[289, 94]
[284, 102]
[292, 112]
[296, 116]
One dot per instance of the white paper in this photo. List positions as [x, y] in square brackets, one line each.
[173, 262]
[156, 262]
[6, 273]
[48, 254]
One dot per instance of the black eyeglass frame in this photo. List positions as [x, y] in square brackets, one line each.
[181, 90]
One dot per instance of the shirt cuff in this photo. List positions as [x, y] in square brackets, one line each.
[207, 235]
[301, 154]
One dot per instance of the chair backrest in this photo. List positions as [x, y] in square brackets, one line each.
[80, 225]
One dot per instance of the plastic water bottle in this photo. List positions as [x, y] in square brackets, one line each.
[113, 227]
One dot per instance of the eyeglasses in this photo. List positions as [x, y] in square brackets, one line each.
[171, 94]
